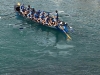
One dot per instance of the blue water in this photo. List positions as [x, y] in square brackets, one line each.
[27, 48]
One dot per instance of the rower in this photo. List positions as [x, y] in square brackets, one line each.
[63, 26]
[36, 16]
[50, 23]
[29, 14]
[42, 17]
[21, 8]
[38, 12]
[32, 12]
[28, 9]
[47, 19]
[71, 29]
[61, 23]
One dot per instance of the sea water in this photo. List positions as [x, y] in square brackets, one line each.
[27, 48]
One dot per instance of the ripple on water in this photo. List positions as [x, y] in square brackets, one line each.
[44, 40]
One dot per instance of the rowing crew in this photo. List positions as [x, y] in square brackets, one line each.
[43, 17]
[40, 16]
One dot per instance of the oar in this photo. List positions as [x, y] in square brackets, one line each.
[59, 12]
[68, 37]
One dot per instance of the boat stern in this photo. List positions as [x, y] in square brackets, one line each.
[17, 7]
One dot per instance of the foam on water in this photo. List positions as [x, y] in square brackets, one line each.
[64, 53]
[45, 42]
[63, 46]
[53, 54]
[60, 11]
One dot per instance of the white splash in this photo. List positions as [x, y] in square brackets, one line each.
[61, 11]
[10, 24]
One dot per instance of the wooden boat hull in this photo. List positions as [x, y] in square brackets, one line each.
[17, 10]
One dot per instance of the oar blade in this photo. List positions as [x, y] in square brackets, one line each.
[68, 37]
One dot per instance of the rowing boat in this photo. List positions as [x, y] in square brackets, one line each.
[57, 27]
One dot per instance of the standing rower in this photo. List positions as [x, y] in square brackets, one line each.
[56, 15]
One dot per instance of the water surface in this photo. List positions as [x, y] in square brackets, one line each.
[37, 50]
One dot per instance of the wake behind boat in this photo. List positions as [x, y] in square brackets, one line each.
[42, 17]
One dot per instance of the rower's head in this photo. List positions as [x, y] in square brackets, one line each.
[56, 11]
[43, 12]
[66, 23]
[29, 6]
